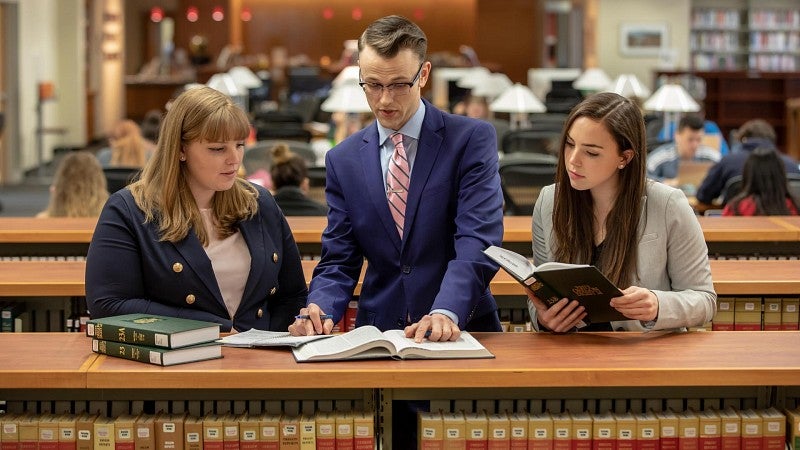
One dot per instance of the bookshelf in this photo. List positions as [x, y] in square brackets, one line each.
[732, 35]
[55, 372]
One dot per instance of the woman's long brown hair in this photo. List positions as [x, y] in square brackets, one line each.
[573, 217]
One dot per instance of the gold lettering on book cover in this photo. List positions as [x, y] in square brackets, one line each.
[102, 346]
[146, 320]
[137, 336]
[583, 290]
[135, 353]
[121, 351]
[121, 334]
[98, 331]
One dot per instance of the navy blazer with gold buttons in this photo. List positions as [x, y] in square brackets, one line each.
[128, 270]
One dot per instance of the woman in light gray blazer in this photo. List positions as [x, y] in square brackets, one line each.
[641, 234]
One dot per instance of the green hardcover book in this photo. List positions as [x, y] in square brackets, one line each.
[152, 330]
[158, 356]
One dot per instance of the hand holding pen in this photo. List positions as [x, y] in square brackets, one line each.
[310, 321]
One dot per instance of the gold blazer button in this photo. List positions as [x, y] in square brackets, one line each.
[273, 290]
[177, 267]
[275, 257]
[190, 299]
[260, 313]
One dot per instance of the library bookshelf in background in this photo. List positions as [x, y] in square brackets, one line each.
[758, 36]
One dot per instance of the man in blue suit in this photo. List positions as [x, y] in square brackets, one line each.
[425, 266]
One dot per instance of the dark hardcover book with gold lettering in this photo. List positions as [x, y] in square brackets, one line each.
[553, 281]
[158, 356]
[153, 330]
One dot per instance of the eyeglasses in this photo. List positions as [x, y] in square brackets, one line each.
[395, 89]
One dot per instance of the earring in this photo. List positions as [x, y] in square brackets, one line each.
[183, 158]
[622, 166]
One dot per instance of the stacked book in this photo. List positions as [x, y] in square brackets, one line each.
[154, 339]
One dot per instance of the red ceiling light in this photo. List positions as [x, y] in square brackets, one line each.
[218, 14]
[327, 13]
[156, 14]
[192, 14]
[357, 14]
[246, 15]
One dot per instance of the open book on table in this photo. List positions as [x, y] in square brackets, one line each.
[262, 338]
[368, 342]
[553, 281]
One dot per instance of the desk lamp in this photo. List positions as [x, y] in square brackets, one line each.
[591, 81]
[245, 79]
[627, 85]
[518, 100]
[225, 83]
[672, 100]
[348, 98]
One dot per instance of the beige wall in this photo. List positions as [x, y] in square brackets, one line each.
[613, 13]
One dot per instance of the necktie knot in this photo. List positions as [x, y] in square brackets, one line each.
[397, 139]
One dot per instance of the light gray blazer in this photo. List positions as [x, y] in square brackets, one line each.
[672, 257]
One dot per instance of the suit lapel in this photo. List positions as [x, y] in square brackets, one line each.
[428, 148]
[376, 186]
[196, 258]
[254, 237]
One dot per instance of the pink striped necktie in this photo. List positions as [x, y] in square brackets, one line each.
[397, 181]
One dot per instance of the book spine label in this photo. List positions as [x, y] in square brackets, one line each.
[120, 350]
[127, 335]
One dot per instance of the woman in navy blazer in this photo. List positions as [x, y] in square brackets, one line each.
[190, 238]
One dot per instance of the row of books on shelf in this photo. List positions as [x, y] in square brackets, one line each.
[727, 429]
[775, 18]
[23, 316]
[733, 314]
[724, 18]
[42, 258]
[774, 63]
[731, 19]
[266, 431]
[757, 313]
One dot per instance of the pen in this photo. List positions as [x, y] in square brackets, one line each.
[321, 317]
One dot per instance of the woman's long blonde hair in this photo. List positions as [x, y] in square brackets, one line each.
[199, 114]
[128, 147]
[79, 187]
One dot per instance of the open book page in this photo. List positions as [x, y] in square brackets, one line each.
[261, 338]
[465, 347]
[363, 342]
[515, 264]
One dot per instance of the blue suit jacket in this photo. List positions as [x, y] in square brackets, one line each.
[128, 270]
[454, 212]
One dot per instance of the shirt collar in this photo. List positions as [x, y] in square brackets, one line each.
[412, 128]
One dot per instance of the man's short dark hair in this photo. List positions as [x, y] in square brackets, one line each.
[391, 34]
[691, 121]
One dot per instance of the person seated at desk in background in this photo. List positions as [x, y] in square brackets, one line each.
[663, 162]
[78, 189]
[290, 182]
[417, 194]
[641, 234]
[752, 134]
[765, 191]
[192, 239]
[127, 147]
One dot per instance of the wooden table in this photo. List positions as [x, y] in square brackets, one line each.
[522, 360]
[731, 277]
[631, 368]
